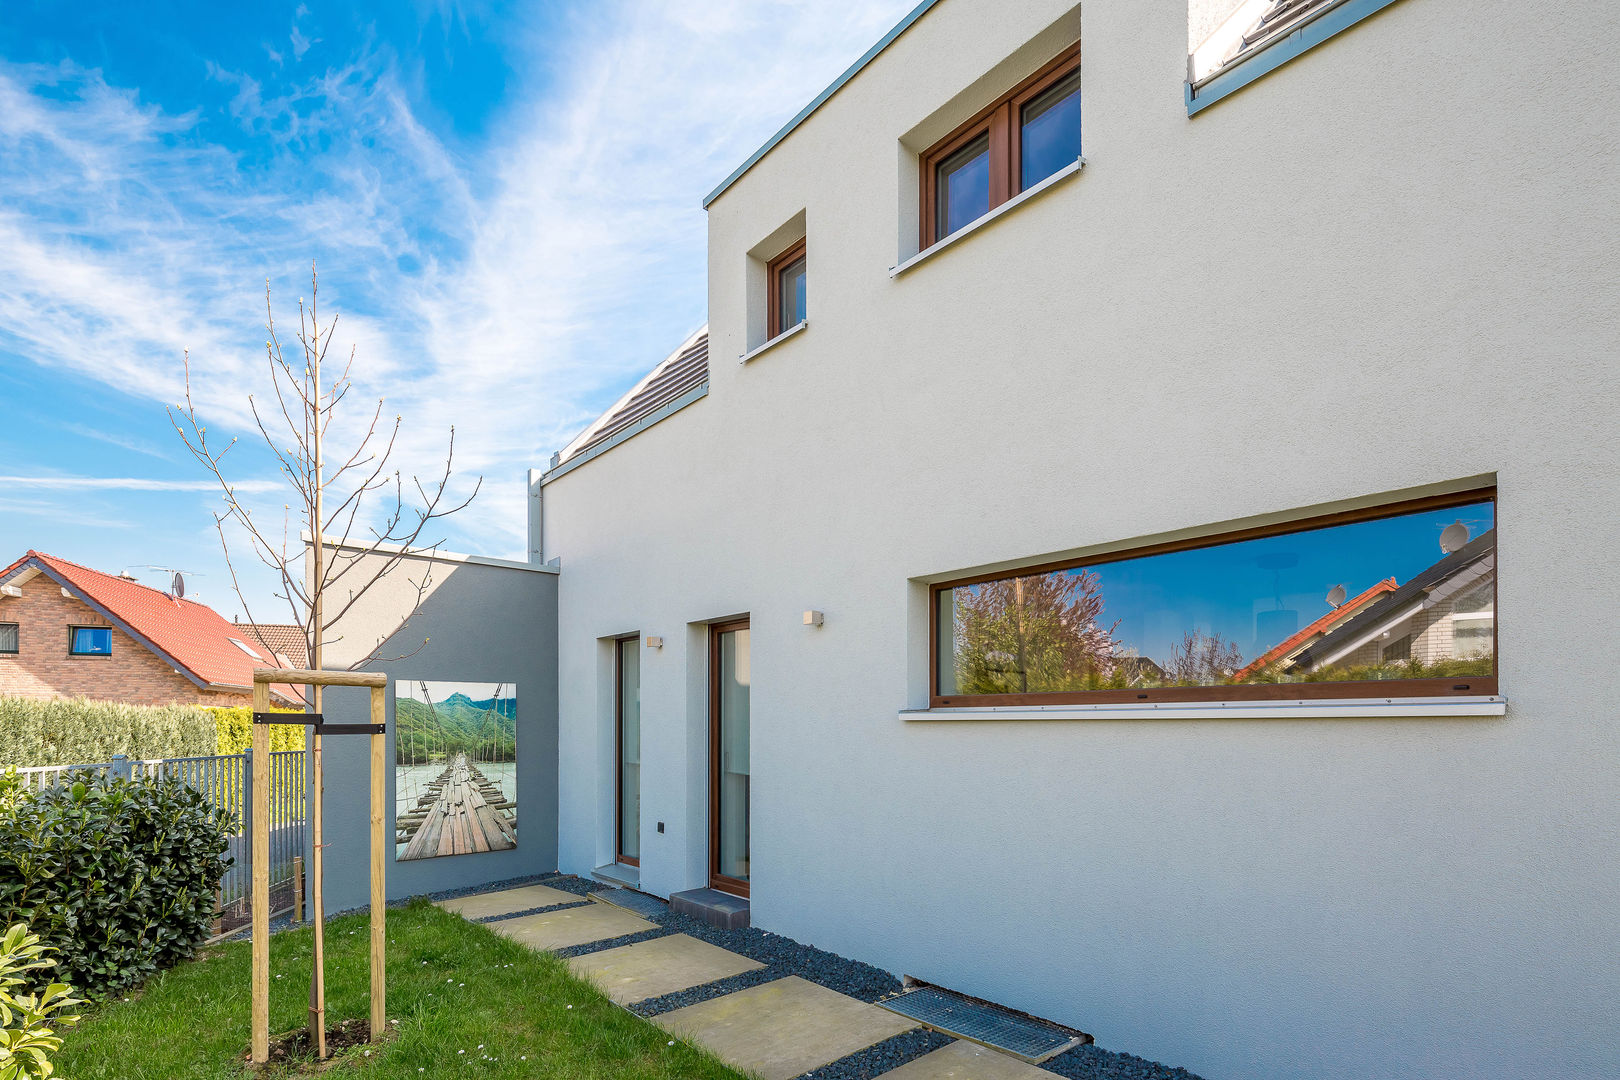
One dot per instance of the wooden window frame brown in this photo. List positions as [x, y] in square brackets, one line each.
[618, 752]
[1383, 688]
[773, 278]
[86, 655]
[723, 882]
[1000, 120]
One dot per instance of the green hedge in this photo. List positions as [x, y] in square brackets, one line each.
[235, 727]
[119, 876]
[83, 732]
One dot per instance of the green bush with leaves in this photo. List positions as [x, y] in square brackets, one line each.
[84, 732]
[27, 1035]
[234, 730]
[119, 876]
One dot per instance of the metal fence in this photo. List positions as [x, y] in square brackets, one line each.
[227, 780]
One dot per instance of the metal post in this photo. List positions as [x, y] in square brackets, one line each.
[120, 767]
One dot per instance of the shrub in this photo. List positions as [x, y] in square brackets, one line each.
[119, 876]
[83, 732]
[26, 1038]
[235, 730]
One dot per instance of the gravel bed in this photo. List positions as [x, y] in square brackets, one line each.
[528, 911]
[610, 943]
[1095, 1063]
[882, 1057]
[720, 988]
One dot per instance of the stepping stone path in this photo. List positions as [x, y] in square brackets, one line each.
[775, 1030]
[649, 969]
[484, 905]
[780, 1029]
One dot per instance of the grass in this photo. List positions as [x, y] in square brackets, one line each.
[468, 1003]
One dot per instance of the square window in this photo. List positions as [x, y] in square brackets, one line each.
[787, 281]
[8, 639]
[90, 641]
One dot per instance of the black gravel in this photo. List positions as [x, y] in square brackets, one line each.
[609, 943]
[1095, 1063]
[882, 1057]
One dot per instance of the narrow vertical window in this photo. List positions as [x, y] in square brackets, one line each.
[1020, 140]
[629, 751]
[787, 286]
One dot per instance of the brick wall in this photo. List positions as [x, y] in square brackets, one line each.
[42, 667]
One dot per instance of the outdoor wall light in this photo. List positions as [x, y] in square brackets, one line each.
[655, 643]
[813, 618]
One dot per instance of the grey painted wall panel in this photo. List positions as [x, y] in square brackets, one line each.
[483, 623]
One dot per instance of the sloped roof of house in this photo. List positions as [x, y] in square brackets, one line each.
[1402, 601]
[192, 638]
[651, 399]
[281, 639]
[1320, 626]
[1280, 17]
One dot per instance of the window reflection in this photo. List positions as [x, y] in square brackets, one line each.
[1403, 597]
[964, 187]
[1050, 136]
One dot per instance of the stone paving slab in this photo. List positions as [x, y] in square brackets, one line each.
[780, 1029]
[649, 969]
[525, 898]
[571, 926]
[964, 1060]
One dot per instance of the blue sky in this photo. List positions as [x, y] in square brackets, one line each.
[503, 200]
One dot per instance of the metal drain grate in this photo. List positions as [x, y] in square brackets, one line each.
[979, 1021]
[630, 900]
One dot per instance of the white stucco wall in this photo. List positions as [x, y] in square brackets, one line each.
[1386, 266]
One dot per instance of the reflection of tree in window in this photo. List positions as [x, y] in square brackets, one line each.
[1201, 659]
[1032, 634]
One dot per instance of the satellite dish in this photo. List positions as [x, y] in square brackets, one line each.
[1336, 596]
[179, 585]
[1453, 537]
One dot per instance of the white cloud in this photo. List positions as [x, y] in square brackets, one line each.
[132, 483]
[511, 292]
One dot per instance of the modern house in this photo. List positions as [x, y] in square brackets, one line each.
[982, 411]
[69, 631]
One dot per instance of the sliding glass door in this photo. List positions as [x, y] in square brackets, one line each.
[629, 751]
[729, 677]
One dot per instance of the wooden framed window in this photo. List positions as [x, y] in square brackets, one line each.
[786, 277]
[1023, 138]
[1391, 601]
[627, 739]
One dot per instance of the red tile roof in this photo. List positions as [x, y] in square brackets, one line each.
[1327, 622]
[192, 637]
[282, 639]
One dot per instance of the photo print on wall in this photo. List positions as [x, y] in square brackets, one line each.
[455, 768]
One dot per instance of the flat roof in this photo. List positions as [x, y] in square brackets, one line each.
[804, 114]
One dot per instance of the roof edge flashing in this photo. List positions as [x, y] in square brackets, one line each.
[820, 99]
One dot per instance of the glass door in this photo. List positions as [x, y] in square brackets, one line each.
[729, 678]
[629, 751]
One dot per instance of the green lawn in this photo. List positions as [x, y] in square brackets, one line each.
[461, 993]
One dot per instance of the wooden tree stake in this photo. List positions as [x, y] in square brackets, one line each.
[379, 852]
[259, 858]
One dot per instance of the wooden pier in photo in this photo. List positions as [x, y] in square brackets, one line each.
[461, 812]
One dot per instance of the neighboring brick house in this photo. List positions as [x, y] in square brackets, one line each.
[277, 639]
[69, 631]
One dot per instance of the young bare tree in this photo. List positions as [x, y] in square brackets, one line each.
[1201, 659]
[341, 568]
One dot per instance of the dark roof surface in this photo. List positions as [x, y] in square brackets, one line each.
[1401, 600]
[682, 371]
[1281, 18]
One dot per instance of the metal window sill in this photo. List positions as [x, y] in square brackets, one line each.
[1302, 709]
[1071, 169]
[795, 329]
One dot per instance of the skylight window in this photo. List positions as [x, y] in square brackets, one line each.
[245, 648]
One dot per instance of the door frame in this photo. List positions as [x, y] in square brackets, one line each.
[618, 751]
[717, 880]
